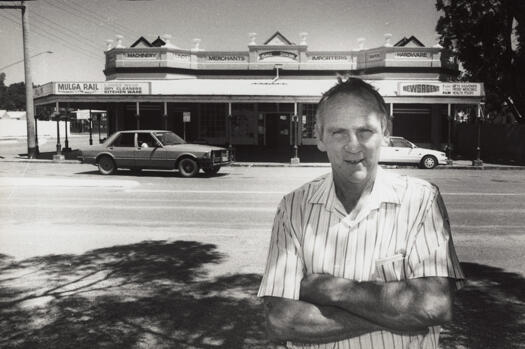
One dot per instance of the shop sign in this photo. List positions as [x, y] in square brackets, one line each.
[439, 89]
[329, 58]
[412, 55]
[376, 56]
[270, 54]
[180, 57]
[142, 55]
[226, 58]
[101, 88]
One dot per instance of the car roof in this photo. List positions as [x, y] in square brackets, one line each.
[133, 131]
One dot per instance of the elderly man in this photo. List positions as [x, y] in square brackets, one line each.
[359, 258]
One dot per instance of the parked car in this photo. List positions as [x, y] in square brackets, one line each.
[154, 149]
[398, 150]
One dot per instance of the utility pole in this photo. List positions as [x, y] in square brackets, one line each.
[30, 112]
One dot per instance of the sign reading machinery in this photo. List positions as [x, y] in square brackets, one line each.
[101, 88]
[439, 89]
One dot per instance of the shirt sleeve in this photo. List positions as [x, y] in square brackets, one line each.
[284, 266]
[433, 252]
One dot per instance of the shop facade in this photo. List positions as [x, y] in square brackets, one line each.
[264, 98]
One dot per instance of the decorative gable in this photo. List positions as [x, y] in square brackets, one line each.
[412, 41]
[278, 39]
[158, 42]
[141, 42]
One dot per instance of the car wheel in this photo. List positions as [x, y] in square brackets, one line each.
[106, 165]
[212, 171]
[428, 162]
[188, 167]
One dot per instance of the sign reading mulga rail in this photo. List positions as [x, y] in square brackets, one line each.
[102, 88]
[439, 89]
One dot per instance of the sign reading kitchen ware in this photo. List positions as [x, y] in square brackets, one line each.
[439, 89]
[102, 88]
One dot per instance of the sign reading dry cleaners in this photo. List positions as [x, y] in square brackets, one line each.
[102, 88]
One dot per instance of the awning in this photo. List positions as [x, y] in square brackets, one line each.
[250, 90]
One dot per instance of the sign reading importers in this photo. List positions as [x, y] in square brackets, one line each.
[439, 89]
[102, 88]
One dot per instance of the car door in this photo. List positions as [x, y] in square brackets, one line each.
[401, 150]
[149, 154]
[123, 149]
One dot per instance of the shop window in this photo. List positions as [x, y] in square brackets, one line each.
[308, 120]
[212, 120]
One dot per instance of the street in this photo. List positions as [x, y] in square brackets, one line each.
[157, 260]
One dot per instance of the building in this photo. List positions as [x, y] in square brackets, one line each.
[264, 99]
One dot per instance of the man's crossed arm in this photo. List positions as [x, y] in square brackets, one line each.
[332, 308]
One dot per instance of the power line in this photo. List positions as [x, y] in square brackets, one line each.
[44, 33]
[63, 30]
[118, 26]
[75, 12]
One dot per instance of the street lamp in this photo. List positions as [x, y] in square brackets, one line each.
[20, 61]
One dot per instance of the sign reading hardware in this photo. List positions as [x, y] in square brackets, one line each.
[412, 55]
[269, 54]
[439, 89]
[102, 88]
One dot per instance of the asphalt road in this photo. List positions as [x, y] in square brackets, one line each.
[68, 210]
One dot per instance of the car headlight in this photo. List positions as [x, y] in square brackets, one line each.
[206, 155]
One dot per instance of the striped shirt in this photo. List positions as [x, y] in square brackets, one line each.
[401, 232]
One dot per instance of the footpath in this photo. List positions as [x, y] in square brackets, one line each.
[13, 149]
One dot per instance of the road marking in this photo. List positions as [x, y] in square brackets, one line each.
[204, 191]
[482, 194]
[149, 207]
[66, 182]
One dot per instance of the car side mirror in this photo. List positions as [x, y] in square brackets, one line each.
[158, 145]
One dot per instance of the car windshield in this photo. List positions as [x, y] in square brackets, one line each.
[169, 138]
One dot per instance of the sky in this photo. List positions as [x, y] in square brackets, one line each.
[75, 31]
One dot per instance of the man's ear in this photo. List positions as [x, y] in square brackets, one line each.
[320, 144]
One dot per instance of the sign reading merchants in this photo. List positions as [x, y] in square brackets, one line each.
[101, 88]
[440, 89]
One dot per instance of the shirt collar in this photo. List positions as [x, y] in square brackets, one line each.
[382, 191]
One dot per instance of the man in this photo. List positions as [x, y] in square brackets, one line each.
[359, 258]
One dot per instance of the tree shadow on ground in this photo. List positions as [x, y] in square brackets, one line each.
[157, 294]
[489, 311]
[154, 294]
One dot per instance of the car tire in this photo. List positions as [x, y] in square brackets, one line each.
[428, 162]
[212, 171]
[188, 167]
[106, 165]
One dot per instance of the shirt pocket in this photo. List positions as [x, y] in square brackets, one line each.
[391, 268]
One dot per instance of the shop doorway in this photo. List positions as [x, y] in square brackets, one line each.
[277, 129]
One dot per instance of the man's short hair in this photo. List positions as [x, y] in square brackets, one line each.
[358, 88]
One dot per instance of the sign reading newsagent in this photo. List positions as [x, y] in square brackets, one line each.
[101, 88]
[460, 89]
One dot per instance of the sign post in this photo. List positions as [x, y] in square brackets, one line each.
[186, 117]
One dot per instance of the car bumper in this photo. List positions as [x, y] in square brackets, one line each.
[208, 163]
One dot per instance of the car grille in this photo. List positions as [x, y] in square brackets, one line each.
[220, 155]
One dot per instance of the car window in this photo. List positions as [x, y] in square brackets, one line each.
[169, 138]
[400, 143]
[124, 140]
[145, 140]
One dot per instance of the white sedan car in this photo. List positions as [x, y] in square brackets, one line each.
[398, 150]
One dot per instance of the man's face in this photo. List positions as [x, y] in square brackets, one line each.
[352, 134]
